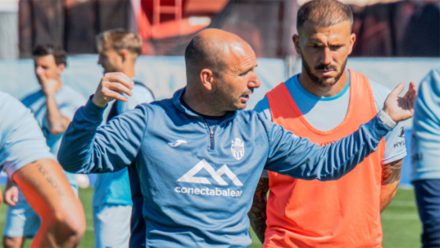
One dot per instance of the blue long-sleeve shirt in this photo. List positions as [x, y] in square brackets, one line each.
[198, 174]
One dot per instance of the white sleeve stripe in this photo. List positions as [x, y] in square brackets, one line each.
[394, 157]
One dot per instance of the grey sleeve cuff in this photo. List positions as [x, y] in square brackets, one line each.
[386, 119]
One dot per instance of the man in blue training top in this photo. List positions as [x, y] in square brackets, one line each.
[198, 155]
[112, 201]
[53, 106]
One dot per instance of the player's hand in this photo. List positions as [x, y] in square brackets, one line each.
[398, 107]
[113, 86]
[49, 86]
[11, 195]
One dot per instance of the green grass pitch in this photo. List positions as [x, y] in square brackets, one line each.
[401, 225]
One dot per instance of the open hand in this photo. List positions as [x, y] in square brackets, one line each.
[398, 107]
[113, 86]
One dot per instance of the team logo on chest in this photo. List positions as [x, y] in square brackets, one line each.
[237, 148]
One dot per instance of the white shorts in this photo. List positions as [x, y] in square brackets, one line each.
[112, 226]
[21, 220]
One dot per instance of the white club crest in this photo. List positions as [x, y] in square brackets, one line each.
[237, 148]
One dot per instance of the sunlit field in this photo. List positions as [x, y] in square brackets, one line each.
[400, 221]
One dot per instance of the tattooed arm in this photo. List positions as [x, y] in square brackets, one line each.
[390, 182]
[47, 190]
[257, 214]
[25, 157]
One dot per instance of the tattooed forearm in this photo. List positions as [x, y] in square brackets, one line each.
[257, 214]
[390, 183]
[391, 172]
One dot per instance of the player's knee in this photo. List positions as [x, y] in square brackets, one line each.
[69, 226]
[67, 232]
[12, 242]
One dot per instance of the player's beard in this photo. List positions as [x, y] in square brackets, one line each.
[323, 82]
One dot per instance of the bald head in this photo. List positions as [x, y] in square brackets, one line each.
[220, 71]
[209, 49]
[323, 13]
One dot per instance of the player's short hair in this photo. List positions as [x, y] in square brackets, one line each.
[48, 49]
[119, 39]
[323, 13]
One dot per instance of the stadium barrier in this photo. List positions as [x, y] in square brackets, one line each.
[166, 74]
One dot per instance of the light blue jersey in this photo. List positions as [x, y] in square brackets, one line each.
[198, 175]
[114, 188]
[21, 140]
[316, 110]
[426, 129]
[68, 101]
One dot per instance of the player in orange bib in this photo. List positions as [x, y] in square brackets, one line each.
[324, 103]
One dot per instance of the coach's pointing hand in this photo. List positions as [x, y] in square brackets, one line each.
[113, 85]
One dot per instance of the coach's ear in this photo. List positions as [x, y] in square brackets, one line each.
[207, 79]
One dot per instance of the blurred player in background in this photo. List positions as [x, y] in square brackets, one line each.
[113, 198]
[425, 157]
